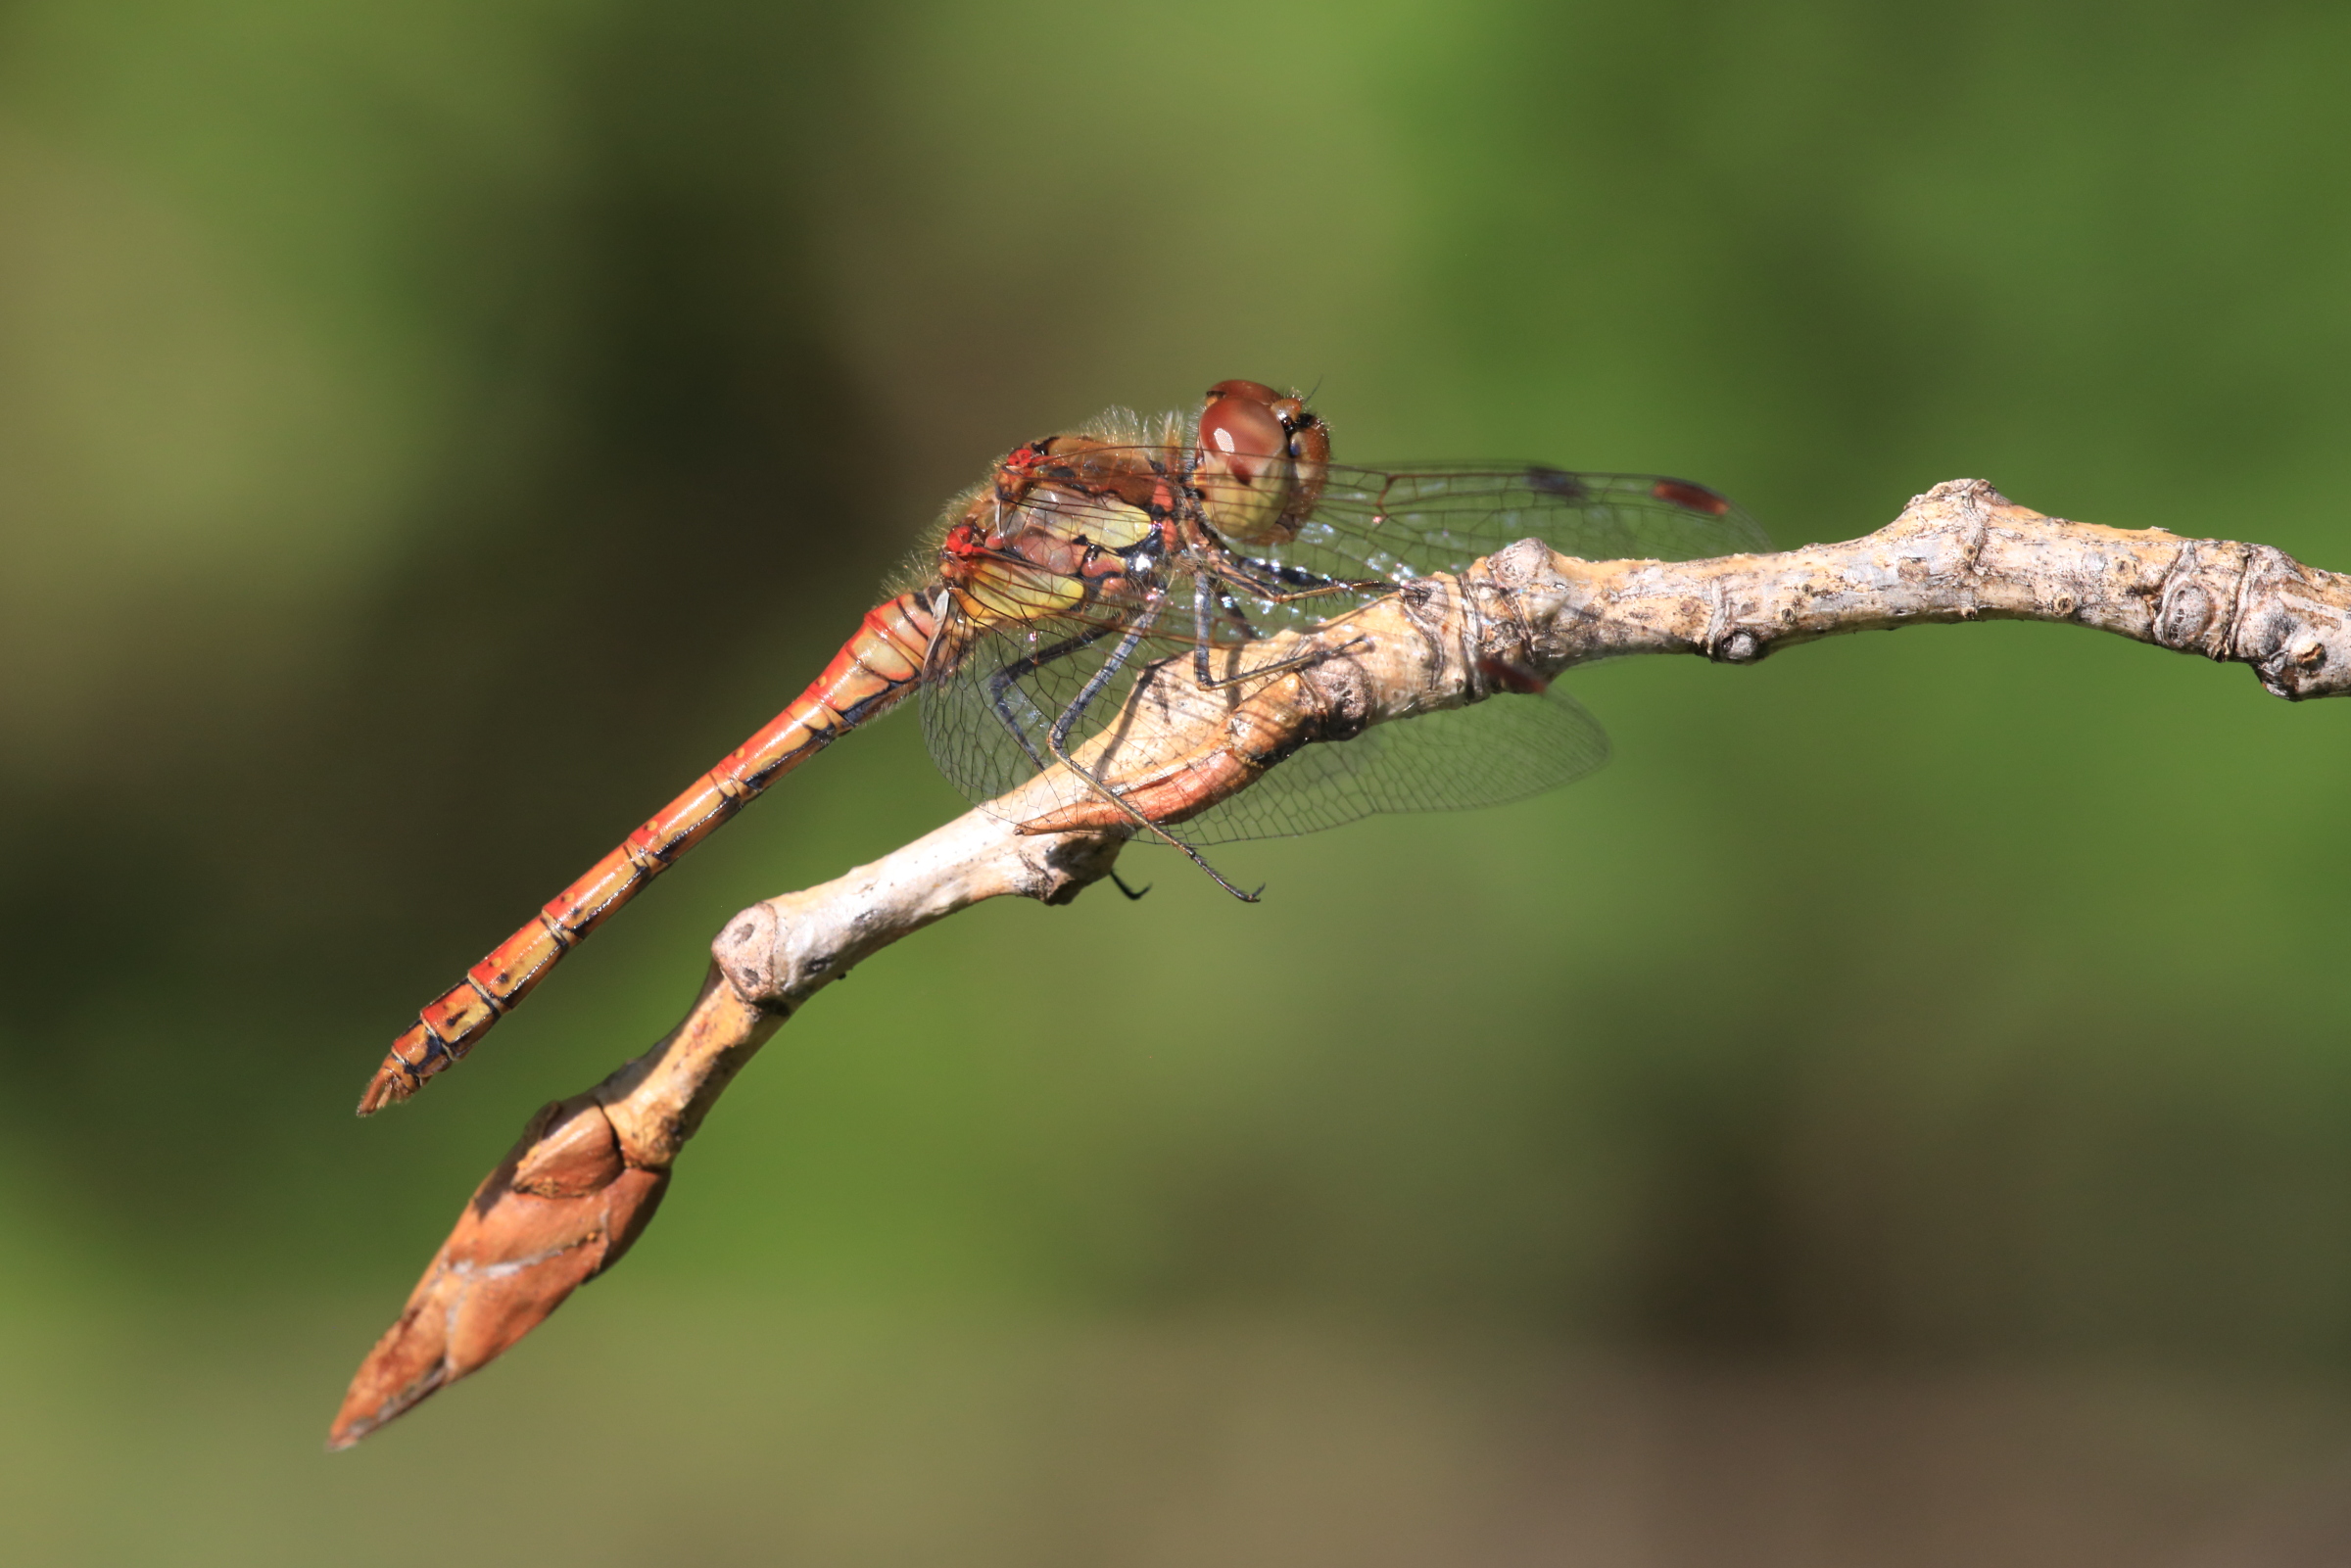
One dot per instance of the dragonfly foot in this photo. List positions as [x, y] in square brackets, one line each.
[1132, 893]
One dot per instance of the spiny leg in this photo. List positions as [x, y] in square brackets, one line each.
[1020, 670]
[1232, 613]
[1241, 571]
[1202, 675]
[1058, 739]
[1263, 580]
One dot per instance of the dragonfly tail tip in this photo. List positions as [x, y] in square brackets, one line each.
[385, 1088]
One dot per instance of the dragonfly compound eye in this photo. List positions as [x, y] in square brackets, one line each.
[1261, 462]
[1239, 429]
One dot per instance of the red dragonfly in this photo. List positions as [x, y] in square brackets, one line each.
[1093, 563]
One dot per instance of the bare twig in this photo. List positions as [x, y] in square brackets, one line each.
[588, 1171]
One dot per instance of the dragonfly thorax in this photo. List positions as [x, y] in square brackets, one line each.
[1057, 550]
[1134, 476]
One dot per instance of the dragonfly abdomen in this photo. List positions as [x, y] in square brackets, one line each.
[874, 670]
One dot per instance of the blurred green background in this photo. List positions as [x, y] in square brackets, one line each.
[1897, 1112]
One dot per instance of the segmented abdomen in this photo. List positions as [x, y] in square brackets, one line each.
[873, 669]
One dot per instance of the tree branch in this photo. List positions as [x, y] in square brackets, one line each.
[588, 1171]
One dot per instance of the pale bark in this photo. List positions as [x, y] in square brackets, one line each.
[588, 1171]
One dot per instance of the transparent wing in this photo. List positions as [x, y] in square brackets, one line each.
[994, 702]
[998, 704]
[1112, 690]
[1438, 517]
[1504, 749]
[1395, 524]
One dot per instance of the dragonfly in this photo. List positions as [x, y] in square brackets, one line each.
[1090, 565]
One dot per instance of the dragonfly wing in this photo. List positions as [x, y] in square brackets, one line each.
[1504, 749]
[988, 722]
[1396, 524]
[1410, 522]
[991, 712]
[988, 709]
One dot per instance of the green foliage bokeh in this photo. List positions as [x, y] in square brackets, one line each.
[429, 434]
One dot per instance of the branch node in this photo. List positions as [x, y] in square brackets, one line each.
[1068, 863]
[745, 953]
[1742, 647]
[2185, 611]
[1970, 495]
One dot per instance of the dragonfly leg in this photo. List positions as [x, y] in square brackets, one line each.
[1201, 674]
[1263, 580]
[1297, 662]
[1058, 739]
[1243, 572]
[1059, 736]
[1232, 613]
[1205, 677]
[1020, 670]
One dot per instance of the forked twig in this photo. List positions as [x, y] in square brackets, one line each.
[588, 1171]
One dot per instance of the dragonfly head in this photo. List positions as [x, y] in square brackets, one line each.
[1261, 460]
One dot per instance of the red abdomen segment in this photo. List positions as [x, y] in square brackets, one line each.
[874, 669]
